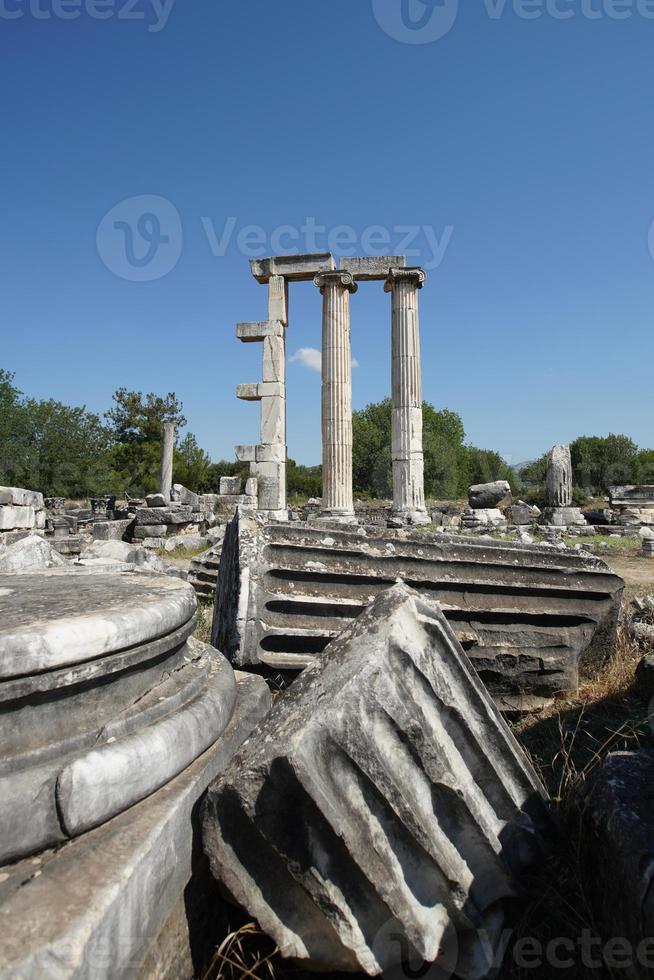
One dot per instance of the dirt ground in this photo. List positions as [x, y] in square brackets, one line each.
[638, 573]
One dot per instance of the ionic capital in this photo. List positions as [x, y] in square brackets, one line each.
[337, 278]
[414, 277]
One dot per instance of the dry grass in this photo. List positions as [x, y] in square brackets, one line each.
[205, 618]
[245, 952]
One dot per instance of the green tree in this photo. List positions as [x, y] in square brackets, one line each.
[643, 471]
[14, 432]
[598, 463]
[191, 465]
[138, 419]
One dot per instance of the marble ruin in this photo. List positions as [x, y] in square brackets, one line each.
[383, 798]
[529, 617]
[559, 511]
[113, 722]
[268, 459]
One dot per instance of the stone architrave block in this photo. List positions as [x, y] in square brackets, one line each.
[384, 807]
[295, 268]
[230, 485]
[254, 392]
[17, 517]
[163, 515]
[369, 268]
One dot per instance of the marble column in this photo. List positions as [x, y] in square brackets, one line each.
[336, 394]
[166, 479]
[406, 448]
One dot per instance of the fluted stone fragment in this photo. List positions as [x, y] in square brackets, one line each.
[166, 476]
[383, 805]
[558, 486]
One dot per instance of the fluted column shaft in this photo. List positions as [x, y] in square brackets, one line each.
[336, 394]
[406, 380]
[166, 474]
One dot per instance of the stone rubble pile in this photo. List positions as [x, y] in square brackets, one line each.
[632, 506]
[184, 513]
[383, 811]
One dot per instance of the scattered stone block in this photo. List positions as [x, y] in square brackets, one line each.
[486, 496]
[563, 516]
[181, 495]
[230, 485]
[382, 797]
[112, 530]
[150, 531]
[523, 514]
[179, 514]
[17, 497]
[156, 500]
[29, 554]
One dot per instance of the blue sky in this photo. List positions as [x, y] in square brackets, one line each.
[524, 145]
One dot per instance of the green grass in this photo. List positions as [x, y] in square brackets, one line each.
[616, 545]
[205, 618]
[184, 553]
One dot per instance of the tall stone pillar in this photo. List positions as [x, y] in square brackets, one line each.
[336, 394]
[166, 478]
[406, 449]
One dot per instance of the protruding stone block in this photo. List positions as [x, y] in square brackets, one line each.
[262, 389]
[384, 811]
[257, 332]
[295, 268]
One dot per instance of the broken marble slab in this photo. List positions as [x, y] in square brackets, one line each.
[382, 806]
[100, 907]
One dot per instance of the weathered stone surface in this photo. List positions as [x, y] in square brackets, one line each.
[12, 517]
[17, 497]
[180, 514]
[632, 496]
[369, 268]
[617, 807]
[485, 496]
[112, 530]
[522, 513]
[99, 906]
[150, 531]
[486, 516]
[295, 268]
[182, 495]
[156, 500]
[383, 798]
[527, 616]
[230, 484]
[188, 541]
[30, 554]
[60, 617]
[558, 483]
[563, 516]
[122, 551]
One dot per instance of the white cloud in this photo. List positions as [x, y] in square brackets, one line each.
[311, 358]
